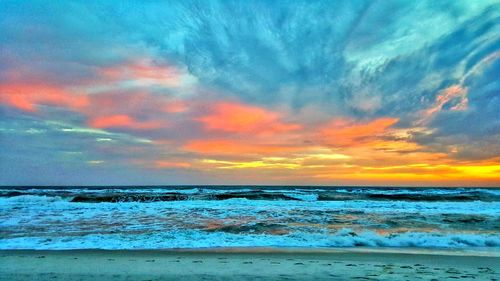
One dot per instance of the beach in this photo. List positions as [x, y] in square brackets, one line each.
[245, 264]
[249, 233]
[249, 140]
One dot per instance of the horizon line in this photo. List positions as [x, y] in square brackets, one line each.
[253, 185]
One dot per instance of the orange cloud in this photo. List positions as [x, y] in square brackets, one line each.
[143, 70]
[27, 96]
[244, 119]
[123, 121]
[227, 147]
[346, 133]
[169, 164]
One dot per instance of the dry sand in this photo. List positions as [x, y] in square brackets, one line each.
[234, 264]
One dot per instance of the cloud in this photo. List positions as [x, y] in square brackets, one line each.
[348, 133]
[240, 118]
[28, 97]
[169, 164]
[123, 121]
[143, 70]
[235, 148]
[249, 164]
[451, 98]
[252, 84]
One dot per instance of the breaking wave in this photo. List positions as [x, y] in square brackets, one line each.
[198, 239]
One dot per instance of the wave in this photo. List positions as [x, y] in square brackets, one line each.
[201, 239]
[33, 199]
[158, 218]
[115, 195]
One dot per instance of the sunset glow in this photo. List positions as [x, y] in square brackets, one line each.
[176, 95]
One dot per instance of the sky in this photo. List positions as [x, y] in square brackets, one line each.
[398, 93]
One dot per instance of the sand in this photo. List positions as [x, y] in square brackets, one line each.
[237, 264]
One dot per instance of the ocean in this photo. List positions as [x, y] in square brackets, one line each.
[195, 217]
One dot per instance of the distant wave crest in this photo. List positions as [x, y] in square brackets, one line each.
[168, 194]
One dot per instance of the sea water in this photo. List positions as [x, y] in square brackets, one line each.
[248, 216]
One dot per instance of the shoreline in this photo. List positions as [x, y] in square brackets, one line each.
[238, 264]
[469, 252]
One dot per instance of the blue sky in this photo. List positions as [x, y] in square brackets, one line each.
[250, 92]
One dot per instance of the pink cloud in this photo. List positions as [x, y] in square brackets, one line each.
[453, 92]
[175, 106]
[28, 96]
[143, 70]
[123, 121]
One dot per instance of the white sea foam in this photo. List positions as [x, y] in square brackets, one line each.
[32, 199]
[198, 239]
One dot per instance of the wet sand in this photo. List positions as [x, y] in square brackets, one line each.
[237, 264]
